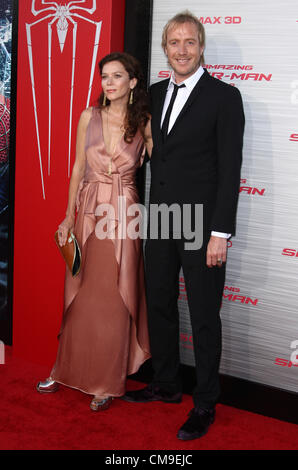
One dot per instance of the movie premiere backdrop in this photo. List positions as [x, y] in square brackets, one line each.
[59, 47]
[253, 46]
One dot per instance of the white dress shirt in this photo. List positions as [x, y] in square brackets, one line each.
[181, 98]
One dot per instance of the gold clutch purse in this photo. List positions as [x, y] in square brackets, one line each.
[71, 253]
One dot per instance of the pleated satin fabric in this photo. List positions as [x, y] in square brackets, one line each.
[104, 336]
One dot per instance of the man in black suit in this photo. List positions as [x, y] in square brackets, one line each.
[197, 129]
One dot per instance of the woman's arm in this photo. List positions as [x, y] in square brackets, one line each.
[76, 177]
[148, 137]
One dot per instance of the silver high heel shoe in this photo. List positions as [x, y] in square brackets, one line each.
[100, 405]
[48, 386]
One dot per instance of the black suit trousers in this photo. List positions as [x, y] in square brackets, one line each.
[204, 287]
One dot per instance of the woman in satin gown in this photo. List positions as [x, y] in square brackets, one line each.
[103, 336]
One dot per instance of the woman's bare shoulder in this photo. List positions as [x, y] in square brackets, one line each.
[85, 117]
[87, 113]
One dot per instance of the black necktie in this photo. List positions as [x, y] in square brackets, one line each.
[165, 124]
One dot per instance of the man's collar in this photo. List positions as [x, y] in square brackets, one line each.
[189, 82]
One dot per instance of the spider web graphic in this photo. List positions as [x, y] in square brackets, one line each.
[56, 40]
[4, 128]
[5, 78]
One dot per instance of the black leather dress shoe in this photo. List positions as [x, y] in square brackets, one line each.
[197, 424]
[152, 393]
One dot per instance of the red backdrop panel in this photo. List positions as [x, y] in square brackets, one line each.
[41, 184]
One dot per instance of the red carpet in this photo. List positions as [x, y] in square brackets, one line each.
[63, 420]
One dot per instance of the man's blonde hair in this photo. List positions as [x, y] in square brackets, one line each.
[181, 18]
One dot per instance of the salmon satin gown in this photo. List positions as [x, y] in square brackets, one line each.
[104, 336]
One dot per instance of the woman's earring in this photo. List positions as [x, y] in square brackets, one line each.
[104, 102]
[131, 97]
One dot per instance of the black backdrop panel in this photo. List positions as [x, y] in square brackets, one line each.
[137, 39]
[137, 42]
[8, 55]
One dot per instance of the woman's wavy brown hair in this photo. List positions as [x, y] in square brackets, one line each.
[137, 114]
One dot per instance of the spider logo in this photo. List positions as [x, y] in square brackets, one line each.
[62, 15]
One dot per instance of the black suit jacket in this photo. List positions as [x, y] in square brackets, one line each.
[200, 160]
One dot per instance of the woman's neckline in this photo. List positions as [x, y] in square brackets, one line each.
[102, 135]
